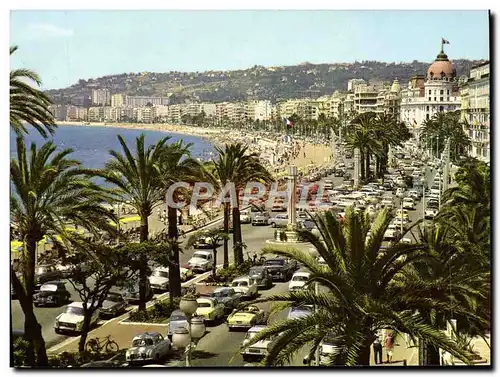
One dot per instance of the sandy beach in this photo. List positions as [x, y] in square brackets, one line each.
[301, 154]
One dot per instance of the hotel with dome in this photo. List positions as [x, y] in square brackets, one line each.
[427, 95]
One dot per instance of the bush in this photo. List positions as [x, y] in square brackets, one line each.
[66, 359]
[158, 313]
[226, 275]
[20, 346]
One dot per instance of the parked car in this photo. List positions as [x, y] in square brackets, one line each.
[257, 350]
[299, 280]
[53, 293]
[328, 348]
[260, 218]
[177, 320]
[339, 173]
[201, 261]
[280, 220]
[64, 269]
[149, 346]
[47, 272]
[414, 194]
[391, 234]
[408, 203]
[246, 318]
[430, 213]
[228, 297]
[210, 309]
[328, 184]
[113, 305]
[159, 279]
[262, 277]
[386, 203]
[281, 268]
[400, 192]
[186, 273]
[245, 285]
[131, 293]
[299, 311]
[72, 319]
[245, 217]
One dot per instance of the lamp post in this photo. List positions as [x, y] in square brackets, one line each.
[424, 184]
[183, 338]
[314, 253]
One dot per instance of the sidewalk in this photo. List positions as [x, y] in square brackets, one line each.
[401, 354]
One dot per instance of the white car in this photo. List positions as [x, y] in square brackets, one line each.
[398, 221]
[328, 184]
[257, 350]
[202, 261]
[280, 220]
[408, 203]
[72, 319]
[159, 279]
[245, 285]
[430, 213]
[386, 203]
[149, 346]
[245, 217]
[299, 280]
[403, 214]
[400, 192]
[391, 234]
[413, 194]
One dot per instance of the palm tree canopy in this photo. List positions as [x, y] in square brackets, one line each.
[357, 295]
[28, 104]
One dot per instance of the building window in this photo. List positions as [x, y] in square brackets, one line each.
[441, 99]
[429, 99]
[427, 108]
[441, 91]
[427, 116]
[448, 91]
[441, 108]
[435, 99]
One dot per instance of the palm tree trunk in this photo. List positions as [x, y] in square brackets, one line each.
[87, 315]
[237, 239]
[226, 230]
[362, 164]
[32, 329]
[144, 263]
[174, 272]
[367, 170]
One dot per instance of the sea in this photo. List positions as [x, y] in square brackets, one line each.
[91, 145]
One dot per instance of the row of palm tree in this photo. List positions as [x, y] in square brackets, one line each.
[373, 134]
[51, 191]
[441, 127]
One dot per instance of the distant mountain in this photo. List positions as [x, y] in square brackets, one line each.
[258, 82]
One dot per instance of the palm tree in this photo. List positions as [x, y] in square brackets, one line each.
[48, 191]
[177, 166]
[357, 295]
[28, 104]
[235, 166]
[137, 178]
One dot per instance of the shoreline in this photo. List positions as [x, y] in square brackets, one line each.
[308, 154]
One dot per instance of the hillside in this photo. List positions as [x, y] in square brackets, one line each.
[273, 83]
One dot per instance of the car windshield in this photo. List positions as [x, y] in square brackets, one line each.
[142, 342]
[275, 262]
[243, 283]
[114, 297]
[160, 274]
[255, 271]
[204, 304]
[48, 288]
[300, 278]
[199, 255]
[301, 309]
[177, 318]
[221, 293]
[74, 310]
[250, 334]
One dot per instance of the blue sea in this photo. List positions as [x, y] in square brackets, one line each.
[91, 144]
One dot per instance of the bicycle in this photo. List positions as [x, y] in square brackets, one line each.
[96, 345]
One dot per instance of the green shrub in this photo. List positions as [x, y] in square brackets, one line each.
[20, 347]
[158, 313]
[75, 359]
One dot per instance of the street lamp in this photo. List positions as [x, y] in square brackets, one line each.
[183, 338]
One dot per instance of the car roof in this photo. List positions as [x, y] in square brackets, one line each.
[178, 312]
[202, 252]
[244, 277]
[302, 272]
[163, 269]
[146, 335]
[257, 328]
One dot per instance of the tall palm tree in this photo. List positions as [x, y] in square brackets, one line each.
[357, 296]
[137, 178]
[236, 166]
[49, 191]
[177, 166]
[28, 104]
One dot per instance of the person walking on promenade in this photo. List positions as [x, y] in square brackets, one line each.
[377, 349]
[389, 346]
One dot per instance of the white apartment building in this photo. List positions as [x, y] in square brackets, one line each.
[209, 109]
[475, 110]
[82, 113]
[101, 97]
[96, 114]
[260, 110]
[175, 113]
[353, 83]
[112, 114]
[424, 97]
[140, 101]
[118, 100]
[72, 113]
[365, 98]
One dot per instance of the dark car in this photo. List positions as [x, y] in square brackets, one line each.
[347, 176]
[131, 293]
[261, 276]
[228, 297]
[339, 173]
[46, 272]
[281, 268]
[113, 305]
[52, 293]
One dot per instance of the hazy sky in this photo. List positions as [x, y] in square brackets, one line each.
[64, 46]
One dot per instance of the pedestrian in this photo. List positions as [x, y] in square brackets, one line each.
[389, 346]
[377, 349]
